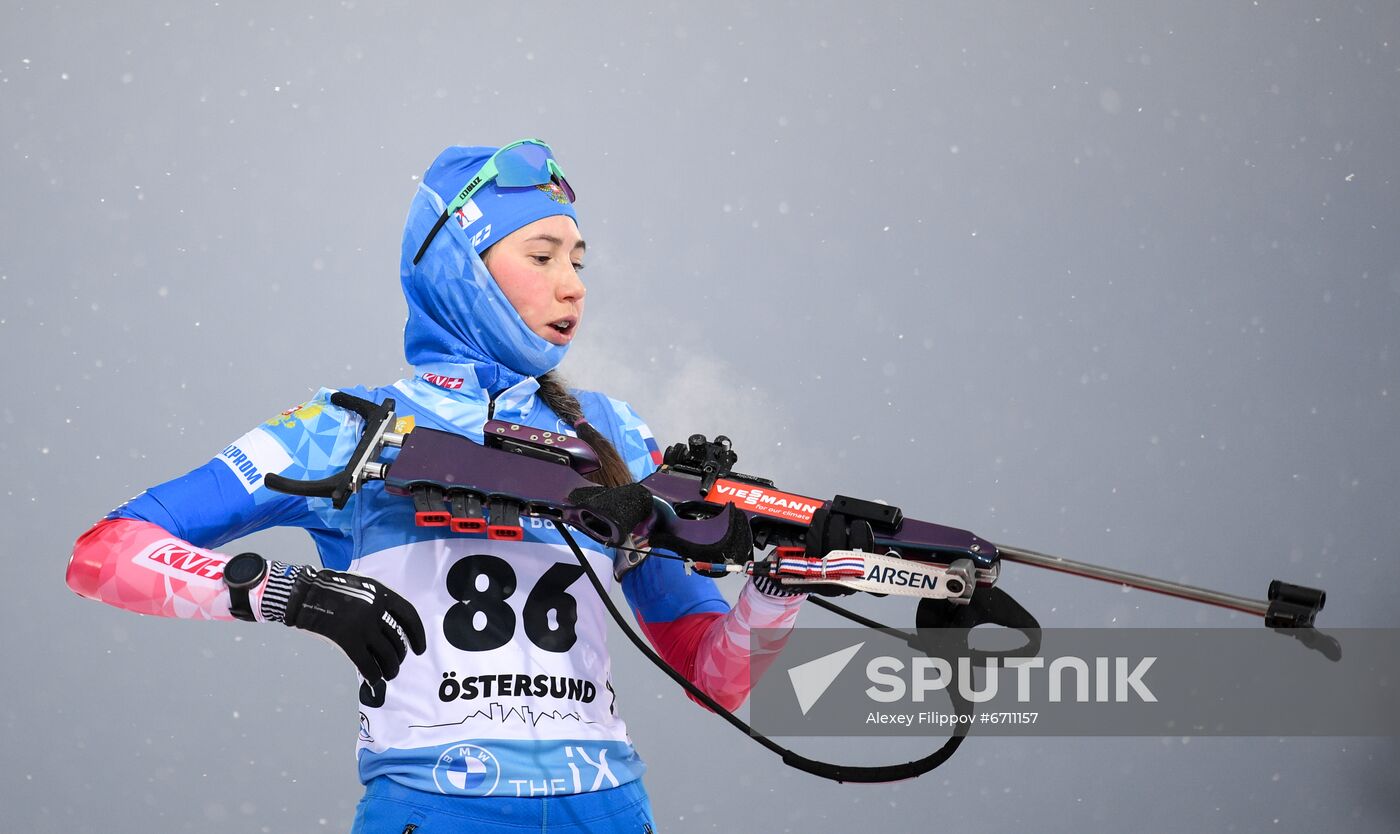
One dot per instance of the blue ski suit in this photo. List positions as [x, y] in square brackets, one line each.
[510, 714]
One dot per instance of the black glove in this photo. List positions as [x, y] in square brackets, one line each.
[833, 531]
[724, 539]
[623, 506]
[371, 623]
[773, 587]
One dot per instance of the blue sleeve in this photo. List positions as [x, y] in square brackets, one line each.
[226, 498]
[660, 591]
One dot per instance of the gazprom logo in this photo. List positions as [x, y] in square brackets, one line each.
[252, 456]
[239, 462]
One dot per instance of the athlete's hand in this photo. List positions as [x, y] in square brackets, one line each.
[372, 624]
[833, 531]
[773, 586]
[820, 589]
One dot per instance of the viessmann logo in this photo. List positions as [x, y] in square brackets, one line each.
[782, 505]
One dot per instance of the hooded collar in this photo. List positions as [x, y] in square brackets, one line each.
[457, 315]
[455, 394]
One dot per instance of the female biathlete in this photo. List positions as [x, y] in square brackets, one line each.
[486, 697]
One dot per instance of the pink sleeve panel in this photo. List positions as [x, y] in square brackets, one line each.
[718, 652]
[139, 566]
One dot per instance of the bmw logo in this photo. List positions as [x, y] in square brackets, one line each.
[467, 770]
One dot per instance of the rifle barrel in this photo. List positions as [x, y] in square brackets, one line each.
[1257, 607]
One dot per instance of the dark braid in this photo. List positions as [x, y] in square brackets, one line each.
[613, 470]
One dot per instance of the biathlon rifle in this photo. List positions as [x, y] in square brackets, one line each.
[697, 507]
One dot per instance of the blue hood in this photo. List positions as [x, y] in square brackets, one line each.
[457, 315]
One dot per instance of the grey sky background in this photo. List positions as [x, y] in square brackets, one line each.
[1116, 281]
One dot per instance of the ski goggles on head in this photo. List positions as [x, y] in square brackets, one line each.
[520, 164]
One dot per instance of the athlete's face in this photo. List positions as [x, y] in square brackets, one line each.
[537, 266]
